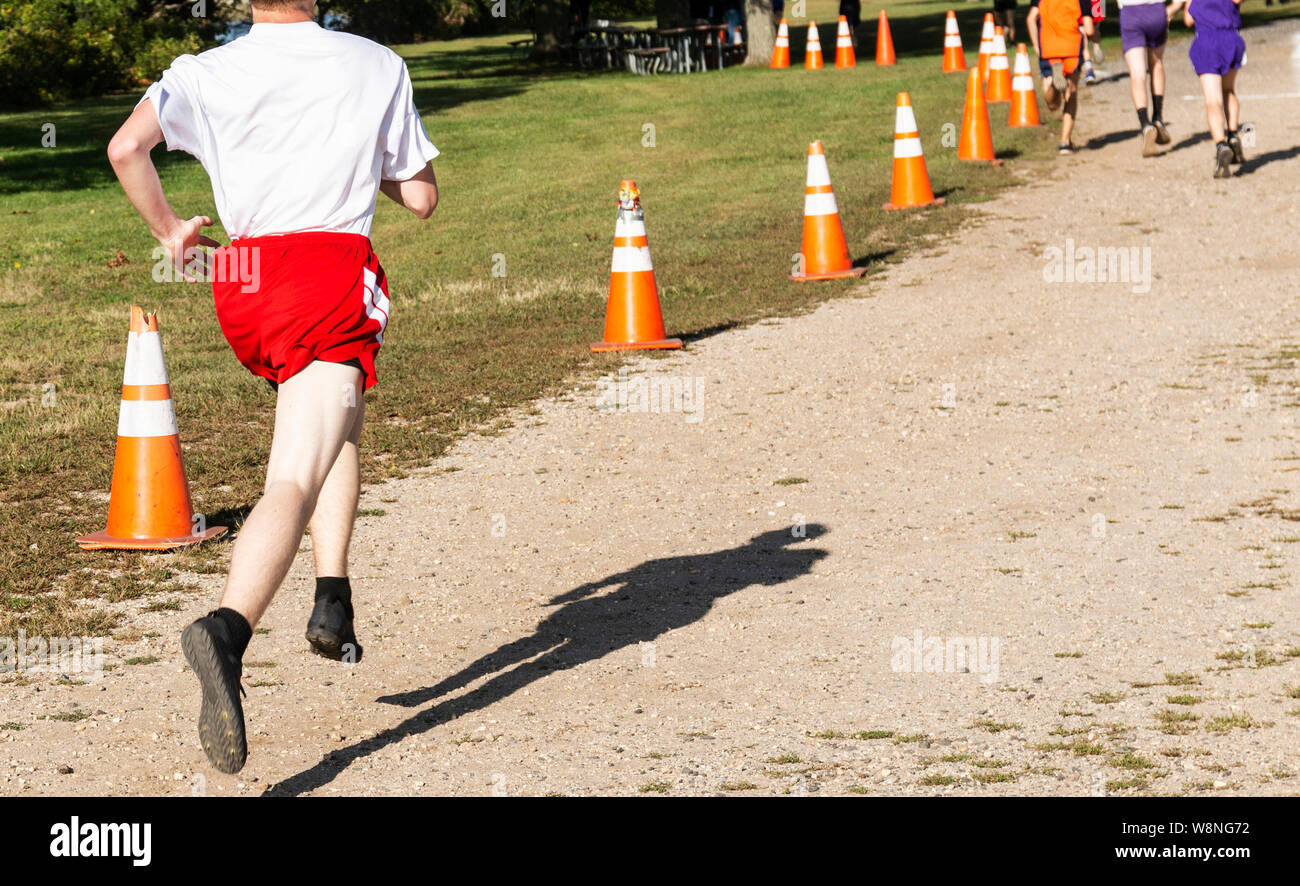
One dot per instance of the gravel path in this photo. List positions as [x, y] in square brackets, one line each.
[1096, 483]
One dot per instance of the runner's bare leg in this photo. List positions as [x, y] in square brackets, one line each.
[1212, 86]
[331, 523]
[313, 420]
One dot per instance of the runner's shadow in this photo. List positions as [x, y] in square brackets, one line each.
[1189, 141]
[1253, 163]
[638, 605]
[1110, 138]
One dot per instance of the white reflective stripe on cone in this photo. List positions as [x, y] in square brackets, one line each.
[146, 418]
[907, 147]
[952, 40]
[842, 42]
[144, 360]
[631, 258]
[1022, 83]
[905, 120]
[1022, 65]
[999, 44]
[633, 227]
[818, 173]
[820, 204]
[782, 40]
[998, 63]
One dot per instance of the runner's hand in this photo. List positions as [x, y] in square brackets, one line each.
[185, 236]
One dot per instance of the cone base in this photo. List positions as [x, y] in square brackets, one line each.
[1023, 125]
[994, 162]
[937, 201]
[659, 344]
[102, 541]
[829, 275]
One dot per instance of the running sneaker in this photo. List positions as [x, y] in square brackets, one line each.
[1162, 132]
[1089, 75]
[1098, 54]
[1238, 155]
[1222, 157]
[208, 647]
[1149, 139]
[329, 631]
[1065, 149]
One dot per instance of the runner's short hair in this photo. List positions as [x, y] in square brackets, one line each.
[282, 4]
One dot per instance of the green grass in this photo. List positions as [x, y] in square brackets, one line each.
[530, 168]
[654, 787]
[738, 786]
[1229, 722]
[993, 726]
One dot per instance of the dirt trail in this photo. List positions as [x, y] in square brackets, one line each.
[1101, 481]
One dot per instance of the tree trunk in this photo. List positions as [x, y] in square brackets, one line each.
[760, 33]
[673, 13]
[550, 27]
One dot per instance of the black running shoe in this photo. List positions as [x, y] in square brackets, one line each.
[329, 631]
[1222, 157]
[207, 647]
[1238, 155]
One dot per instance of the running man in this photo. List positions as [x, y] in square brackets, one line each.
[299, 129]
[1143, 30]
[1217, 53]
[1091, 46]
[1058, 29]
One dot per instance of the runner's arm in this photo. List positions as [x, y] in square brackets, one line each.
[1031, 22]
[128, 152]
[419, 193]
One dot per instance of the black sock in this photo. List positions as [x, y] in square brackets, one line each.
[335, 588]
[1158, 107]
[1142, 118]
[1232, 133]
[240, 631]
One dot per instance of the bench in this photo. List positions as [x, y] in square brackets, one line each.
[646, 61]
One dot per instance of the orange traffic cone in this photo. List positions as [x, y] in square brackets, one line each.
[781, 51]
[954, 59]
[999, 82]
[633, 320]
[812, 54]
[1024, 103]
[911, 185]
[824, 254]
[149, 505]
[986, 47]
[844, 57]
[976, 138]
[884, 42]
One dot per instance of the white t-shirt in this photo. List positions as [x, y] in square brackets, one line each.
[296, 126]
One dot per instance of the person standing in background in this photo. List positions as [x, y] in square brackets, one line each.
[1004, 14]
